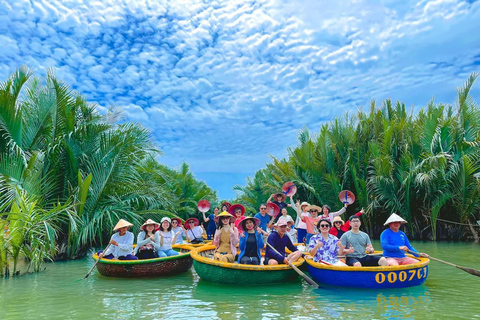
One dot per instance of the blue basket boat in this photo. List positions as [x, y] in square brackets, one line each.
[370, 277]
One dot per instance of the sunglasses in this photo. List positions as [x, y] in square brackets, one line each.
[324, 226]
[338, 222]
[174, 222]
[263, 208]
[192, 222]
[313, 210]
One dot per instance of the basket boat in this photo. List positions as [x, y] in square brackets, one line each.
[370, 277]
[157, 267]
[239, 274]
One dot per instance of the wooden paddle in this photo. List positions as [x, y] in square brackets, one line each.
[303, 275]
[469, 270]
[95, 264]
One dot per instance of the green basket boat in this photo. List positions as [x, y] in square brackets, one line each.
[147, 267]
[239, 274]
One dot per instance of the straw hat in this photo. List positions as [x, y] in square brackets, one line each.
[280, 194]
[231, 210]
[241, 225]
[187, 222]
[150, 221]
[224, 214]
[394, 218]
[310, 207]
[304, 203]
[122, 223]
[337, 218]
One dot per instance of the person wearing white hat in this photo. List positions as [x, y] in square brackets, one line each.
[395, 243]
[148, 241]
[121, 243]
[299, 224]
[167, 238]
[279, 240]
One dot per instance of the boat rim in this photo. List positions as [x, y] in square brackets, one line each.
[145, 261]
[420, 264]
[237, 266]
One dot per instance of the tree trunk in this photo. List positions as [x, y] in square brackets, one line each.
[474, 232]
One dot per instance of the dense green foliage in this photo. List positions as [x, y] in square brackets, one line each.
[68, 174]
[421, 165]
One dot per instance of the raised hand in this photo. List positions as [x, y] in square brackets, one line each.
[362, 211]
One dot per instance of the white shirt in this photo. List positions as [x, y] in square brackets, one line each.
[125, 245]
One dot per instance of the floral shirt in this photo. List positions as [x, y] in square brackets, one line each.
[328, 252]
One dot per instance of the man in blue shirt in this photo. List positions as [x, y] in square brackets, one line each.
[395, 243]
[279, 240]
[263, 217]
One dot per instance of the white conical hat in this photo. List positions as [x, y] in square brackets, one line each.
[122, 223]
[394, 218]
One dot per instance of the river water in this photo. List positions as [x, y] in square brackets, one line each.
[58, 293]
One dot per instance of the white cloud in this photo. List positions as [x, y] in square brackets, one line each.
[223, 84]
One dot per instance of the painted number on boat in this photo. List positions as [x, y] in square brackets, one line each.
[402, 276]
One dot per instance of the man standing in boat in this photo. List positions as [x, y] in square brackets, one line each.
[355, 243]
[264, 220]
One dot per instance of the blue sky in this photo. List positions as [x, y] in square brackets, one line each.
[225, 84]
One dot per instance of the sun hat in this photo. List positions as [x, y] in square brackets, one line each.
[286, 218]
[310, 207]
[231, 210]
[187, 222]
[241, 225]
[224, 214]
[394, 218]
[149, 221]
[122, 223]
[272, 209]
[227, 204]
[280, 194]
[304, 203]
[281, 222]
[337, 218]
[166, 219]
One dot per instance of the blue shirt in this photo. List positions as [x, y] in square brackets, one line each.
[263, 220]
[212, 226]
[391, 241]
[279, 244]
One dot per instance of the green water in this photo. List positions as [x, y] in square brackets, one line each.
[57, 293]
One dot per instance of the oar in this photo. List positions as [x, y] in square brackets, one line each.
[303, 275]
[474, 272]
[95, 264]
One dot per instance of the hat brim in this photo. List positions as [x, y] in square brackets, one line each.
[241, 225]
[187, 222]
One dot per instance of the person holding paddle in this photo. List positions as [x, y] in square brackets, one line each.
[121, 243]
[395, 243]
[325, 247]
[278, 240]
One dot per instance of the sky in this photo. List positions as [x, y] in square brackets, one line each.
[226, 85]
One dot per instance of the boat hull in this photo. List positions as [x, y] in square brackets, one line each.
[157, 267]
[370, 277]
[239, 274]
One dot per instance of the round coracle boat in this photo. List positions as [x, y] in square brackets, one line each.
[370, 277]
[147, 267]
[239, 274]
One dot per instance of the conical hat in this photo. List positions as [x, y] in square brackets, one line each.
[224, 214]
[394, 218]
[149, 221]
[122, 223]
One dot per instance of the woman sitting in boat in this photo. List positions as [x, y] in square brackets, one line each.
[148, 241]
[177, 226]
[226, 238]
[325, 247]
[121, 243]
[194, 231]
[167, 238]
[339, 227]
[395, 243]
[237, 210]
[251, 241]
[279, 240]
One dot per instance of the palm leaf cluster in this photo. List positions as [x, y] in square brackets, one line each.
[422, 165]
[63, 162]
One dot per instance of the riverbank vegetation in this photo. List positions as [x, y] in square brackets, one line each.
[68, 173]
[422, 165]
